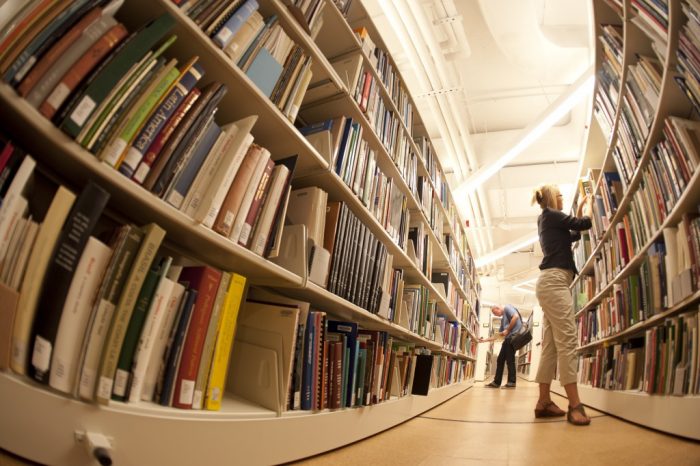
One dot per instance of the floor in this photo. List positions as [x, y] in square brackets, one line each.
[496, 427]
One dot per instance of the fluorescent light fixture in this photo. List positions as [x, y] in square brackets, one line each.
[526, 286]
[488, 303]
[507, 249]
[582, 87]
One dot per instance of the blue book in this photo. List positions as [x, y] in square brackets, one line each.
[189, 172]
[174, 353]
[227, 32]
[264, 71]
[307, 382]
[317, 127]
[349, 329]
[343, 143]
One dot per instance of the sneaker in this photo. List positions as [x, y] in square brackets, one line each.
[492, 385]
[509, 385]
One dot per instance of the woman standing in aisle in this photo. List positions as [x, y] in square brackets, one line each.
[557, 231]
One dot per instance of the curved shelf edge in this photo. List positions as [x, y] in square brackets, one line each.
[201, 440]
[661, 412]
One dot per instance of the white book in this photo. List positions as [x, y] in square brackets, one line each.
[151, 329]
[205, 205]
[21, 264]
[267, 214]
[54, 74]
[16, 235]
[249, 194]
[204, 174]
[155, 360]
[11, 209]
[76, 312]
[671, 260]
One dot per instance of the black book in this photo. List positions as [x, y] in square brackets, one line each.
[421, 377]
[72, 240]
[337, 248]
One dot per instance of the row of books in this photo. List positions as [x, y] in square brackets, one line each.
[447, 370]
[664, 180]
[380, 60]
[356, 164]
[130, 325]
[609, 77]
[688, 54]
[364, 90]
[652, 17]
[259, 46]
[665, 361]
[639, 103]
[93, 315]
[148, 120]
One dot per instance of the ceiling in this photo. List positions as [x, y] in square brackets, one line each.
[483, 74]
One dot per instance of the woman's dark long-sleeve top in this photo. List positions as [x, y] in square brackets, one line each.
[556, 235]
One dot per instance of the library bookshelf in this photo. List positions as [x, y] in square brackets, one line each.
[147, 433]
[637, 343]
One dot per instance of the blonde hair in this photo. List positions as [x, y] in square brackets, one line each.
[546, 196]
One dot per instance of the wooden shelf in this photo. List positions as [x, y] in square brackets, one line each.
[22, 404]
[665, 413]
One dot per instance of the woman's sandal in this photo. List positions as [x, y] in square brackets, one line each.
[549, 409]
[578, 409]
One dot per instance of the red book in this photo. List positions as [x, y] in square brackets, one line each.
[256, 205]
[205, 280]
[82, 68]
[144, 167]
[336, 382]
[365, 91]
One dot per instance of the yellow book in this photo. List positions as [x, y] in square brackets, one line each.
[224, 339]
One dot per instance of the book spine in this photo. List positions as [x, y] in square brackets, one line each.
[153, 236]
[224, 340]
[126, 247]
[149, 159]
[131, 337]
[56, 28]
[75, 315]
[159, 118]
[183, 183]
[147, 341]
[174, 352]
[82, 68]
[53, 54]
[209, 341]
[114, 153]
[157, 359]
[79, 111]
[74, 235]
[256, 205]
[206, 285]
[36, 268]
[224, 36]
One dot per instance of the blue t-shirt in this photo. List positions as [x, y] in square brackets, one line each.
[508, 313]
